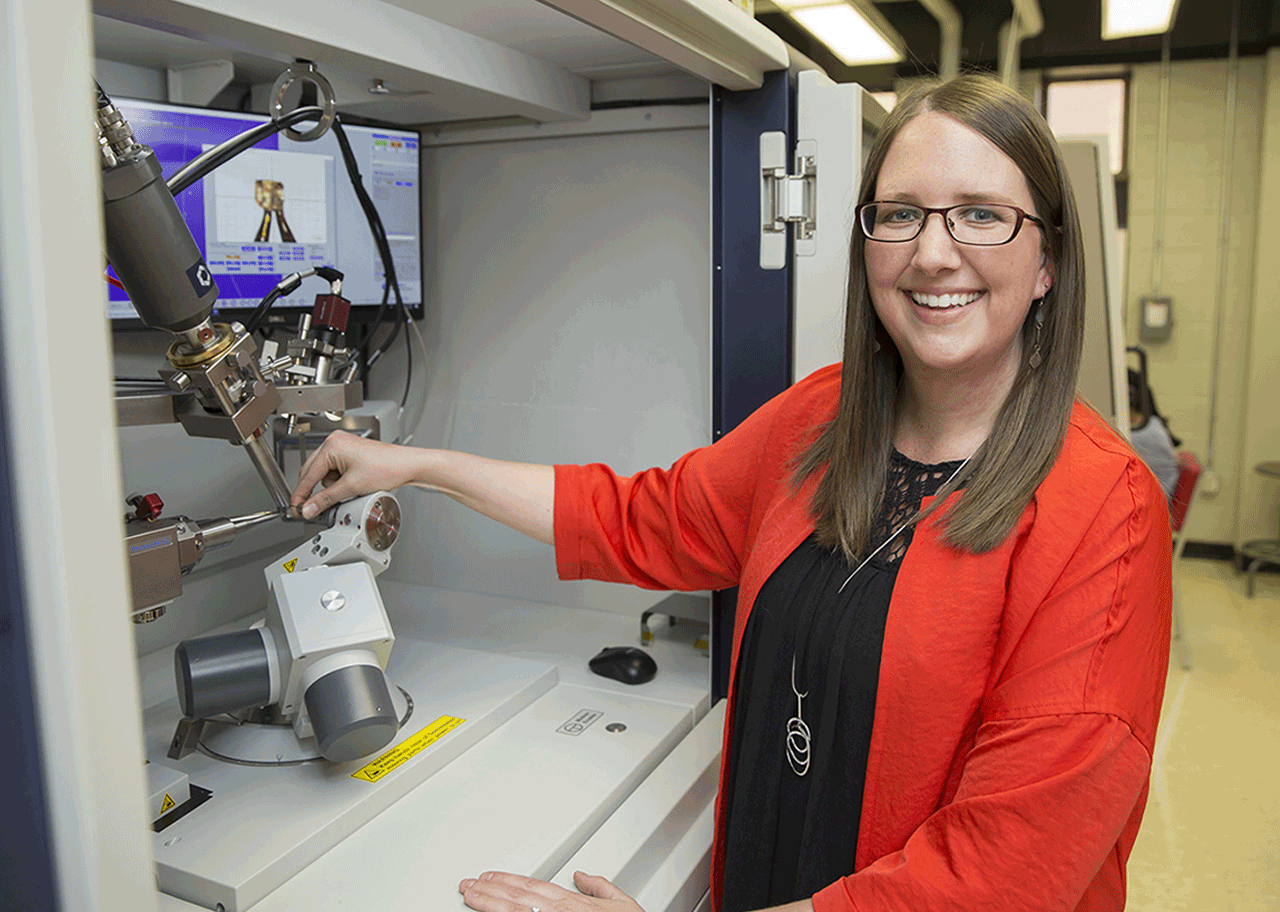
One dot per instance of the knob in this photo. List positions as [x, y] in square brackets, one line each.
[146, 506]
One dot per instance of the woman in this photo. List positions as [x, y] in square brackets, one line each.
[1149, 434]
[953, 609]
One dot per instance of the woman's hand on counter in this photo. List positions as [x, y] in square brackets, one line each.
[497, 892]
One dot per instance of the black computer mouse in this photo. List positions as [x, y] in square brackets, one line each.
[628, 664]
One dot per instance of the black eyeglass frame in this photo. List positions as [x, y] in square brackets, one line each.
[1023, 215]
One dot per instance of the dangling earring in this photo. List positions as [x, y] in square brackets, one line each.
[1035, 339]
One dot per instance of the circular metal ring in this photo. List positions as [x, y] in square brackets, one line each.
[383, 523]
[181, 356]
[308, 73]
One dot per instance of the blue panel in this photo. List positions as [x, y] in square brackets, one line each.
[750, 307]
[27, 878]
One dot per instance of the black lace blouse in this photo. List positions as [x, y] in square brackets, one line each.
[787, 835]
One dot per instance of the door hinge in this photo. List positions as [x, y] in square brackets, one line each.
[787, 198]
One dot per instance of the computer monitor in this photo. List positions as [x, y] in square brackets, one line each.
[283, 207]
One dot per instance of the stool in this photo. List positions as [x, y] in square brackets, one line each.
[1264, 550]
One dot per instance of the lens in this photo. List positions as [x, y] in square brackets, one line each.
[891, 221]
[982, 223]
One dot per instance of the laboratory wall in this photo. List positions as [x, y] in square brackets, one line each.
[1215, 376]
[568, 321]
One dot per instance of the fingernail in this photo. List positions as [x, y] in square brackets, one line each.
[465, 885]
[309, 511]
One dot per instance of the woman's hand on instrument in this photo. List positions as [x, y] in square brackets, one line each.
[497, 892]
[520, 495]
[348, 466]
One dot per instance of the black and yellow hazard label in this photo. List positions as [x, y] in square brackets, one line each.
[168, 804]
[407, 749]
[290, 566]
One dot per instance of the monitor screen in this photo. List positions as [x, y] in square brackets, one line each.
[283, 207]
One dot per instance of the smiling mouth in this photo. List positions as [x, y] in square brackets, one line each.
[944, 302]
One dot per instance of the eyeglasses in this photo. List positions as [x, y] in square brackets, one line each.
[979, 224]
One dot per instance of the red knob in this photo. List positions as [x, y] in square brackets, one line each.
[148, 506]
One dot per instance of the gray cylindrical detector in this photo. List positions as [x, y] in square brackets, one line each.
[151, 248]
[351, 712]
[224, 673]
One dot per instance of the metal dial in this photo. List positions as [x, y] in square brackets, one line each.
[382, 523]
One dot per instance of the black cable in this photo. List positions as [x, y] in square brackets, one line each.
[380, 240]
[378, 319]
[205, 162]
[260, 312]
[287, 286]
[408, 369]
[329, 274]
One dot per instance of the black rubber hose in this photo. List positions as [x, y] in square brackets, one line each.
[205, 162]
[260, 312]
[384, 249]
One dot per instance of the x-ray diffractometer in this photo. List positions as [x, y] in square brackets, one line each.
[357, 712]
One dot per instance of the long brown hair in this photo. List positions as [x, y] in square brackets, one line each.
[1001, 477]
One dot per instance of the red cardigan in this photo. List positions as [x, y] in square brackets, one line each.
[1019, 689]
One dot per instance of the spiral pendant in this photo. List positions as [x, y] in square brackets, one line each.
[798, 738]
[798, 745]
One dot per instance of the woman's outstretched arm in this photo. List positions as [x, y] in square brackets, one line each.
[519, 495]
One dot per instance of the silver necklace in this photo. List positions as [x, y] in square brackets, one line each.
[799, 739]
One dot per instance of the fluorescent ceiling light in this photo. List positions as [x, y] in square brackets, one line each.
[847, 31]
[1128, 18]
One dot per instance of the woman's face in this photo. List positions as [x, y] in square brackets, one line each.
[954, 310]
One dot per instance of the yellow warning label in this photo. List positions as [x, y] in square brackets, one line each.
[407, 749]
[168, 804]
[290, 566]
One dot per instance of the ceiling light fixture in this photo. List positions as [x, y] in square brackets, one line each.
[1130, 18]
[854, 30]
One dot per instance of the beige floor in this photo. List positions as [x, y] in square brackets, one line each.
[1210, 841]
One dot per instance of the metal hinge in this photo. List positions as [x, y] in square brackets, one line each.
[787, 199]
